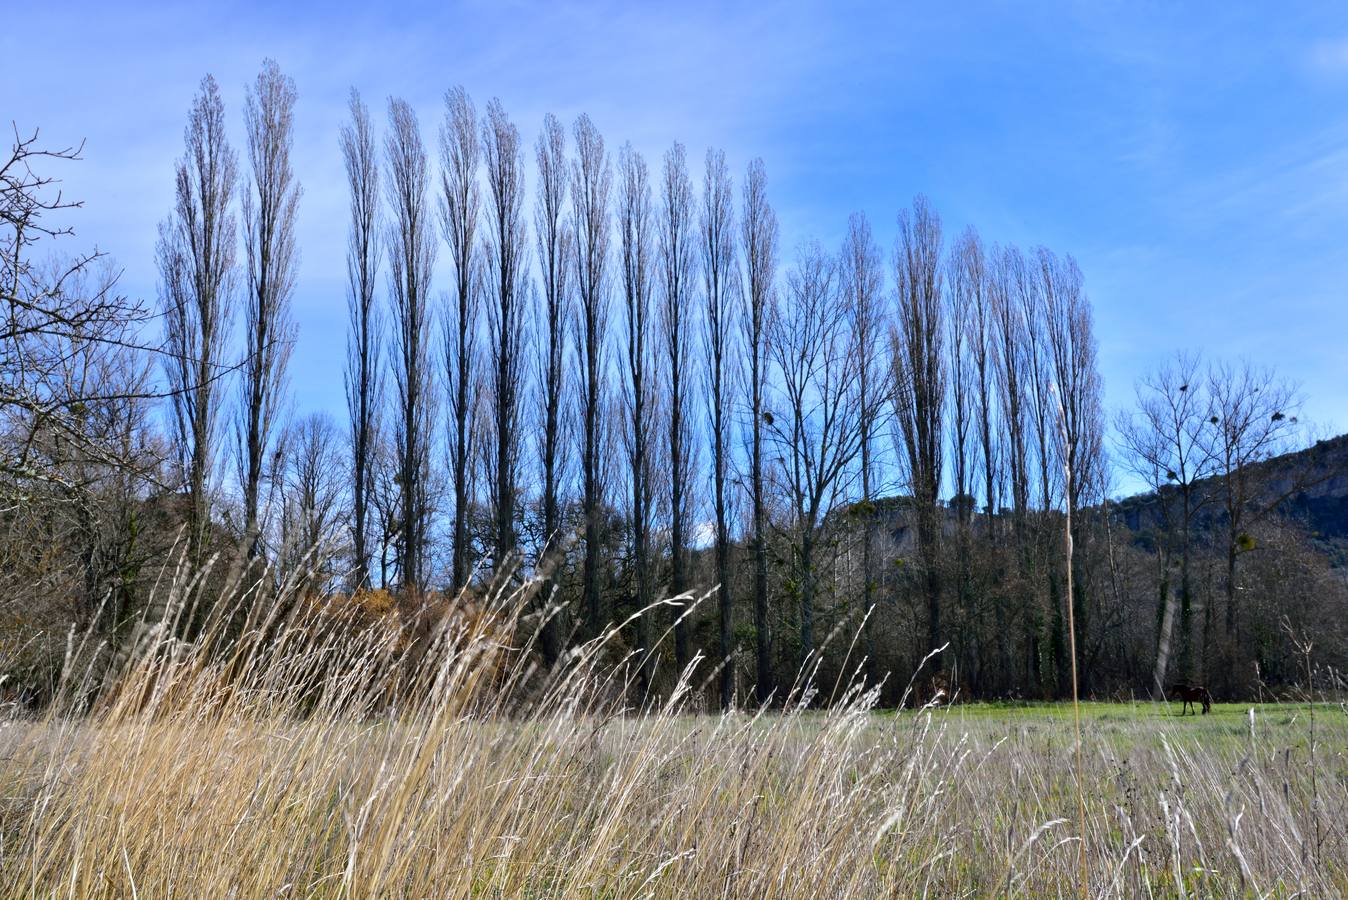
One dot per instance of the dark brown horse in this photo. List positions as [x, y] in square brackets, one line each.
[1191, 694]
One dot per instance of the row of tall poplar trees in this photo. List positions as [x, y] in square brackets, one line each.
[970, 373]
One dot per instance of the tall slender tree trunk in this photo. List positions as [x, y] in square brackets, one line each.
[718, 260]
[269, 210]
[460, 204]
[758, 240]
[634, 205]
[862, 281]
[410, 258]
[504, 158]
[677, 242]
[362, 378]
[195, 254]
[553, 238]
[920, 376]
[591, 180]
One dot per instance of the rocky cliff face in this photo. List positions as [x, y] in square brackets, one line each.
[1311, 486]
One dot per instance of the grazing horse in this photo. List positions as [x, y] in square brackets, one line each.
[1192, 694]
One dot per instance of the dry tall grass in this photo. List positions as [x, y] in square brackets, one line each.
[300, 759]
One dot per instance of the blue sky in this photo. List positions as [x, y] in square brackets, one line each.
[1193, 157]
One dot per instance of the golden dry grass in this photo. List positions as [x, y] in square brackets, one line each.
[298, 760]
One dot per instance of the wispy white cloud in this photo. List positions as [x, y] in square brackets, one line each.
[1329, 57]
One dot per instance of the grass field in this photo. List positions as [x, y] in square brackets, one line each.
[296, 773]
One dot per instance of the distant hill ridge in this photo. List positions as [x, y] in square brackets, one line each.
[1312, 481]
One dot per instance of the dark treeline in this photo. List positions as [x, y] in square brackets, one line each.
[624, 389]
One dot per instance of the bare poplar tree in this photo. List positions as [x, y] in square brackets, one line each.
[1008, 335]
[1039, 371]
[634, 226]
[1076, 377]
[459, 212]
[1048, 617]
[964, 283]
[1079, 417]
[363, 394]
[554, 237]
[591, 180]
[919, 380]
[962, 299]
[982, 352]
[411, 254]
[758, 242]
[1008, 278]
[862, 284]
[507, 263]
[980, 349]
[720, 280]
[269, 208]
[196, 270]
[815, 424]
[677, 245]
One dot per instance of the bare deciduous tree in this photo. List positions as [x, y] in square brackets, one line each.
[758, 242]
[982, 353]
[964, 297]
[1043, 568]
[634, 227]
[919, 383]
[720, 280]
[1080, 420]
[1008, 336]
[79, 450]
[505, 252]
[269, 208]
[982, 342]
[1039, 371]
[815, 424]
[553, 234]
[591, 180]
[363, 383]
[196, 270]
[385, 503]
[1076, 378]
[677, 245]
[1253, 418]
[1006, 276]
[62, 324]
[862, 283]
[310, 519]
[1166, 442]
[459, 213]
[411, 254]
[1044, 427]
